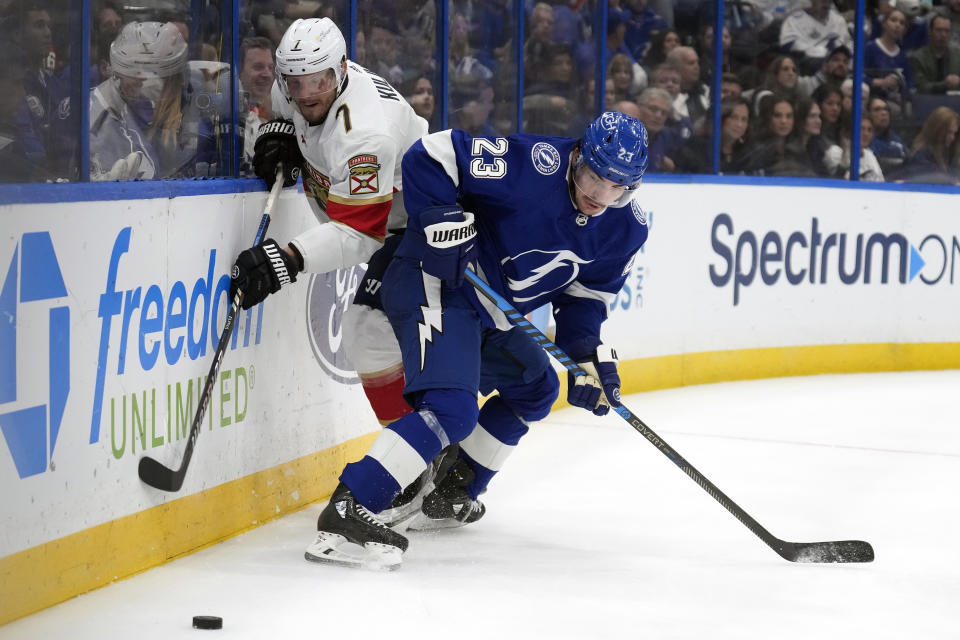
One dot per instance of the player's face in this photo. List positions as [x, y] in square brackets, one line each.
[593, 193]
[313, 94]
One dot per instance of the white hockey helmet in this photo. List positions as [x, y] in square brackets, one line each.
[310, 46]
[149, 50]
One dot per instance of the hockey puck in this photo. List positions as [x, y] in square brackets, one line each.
[207, 622]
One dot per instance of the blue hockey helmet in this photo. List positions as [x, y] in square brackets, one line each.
[614, 145]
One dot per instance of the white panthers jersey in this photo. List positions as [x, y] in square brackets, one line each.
[352, 169]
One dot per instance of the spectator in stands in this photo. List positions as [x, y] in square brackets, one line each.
[697, 156]
[769, 150]
[15, 165]
[106, 22]
[731, 87]
[463, 64]
[806, 138]
[642, 24]
[26, 25]
[830, 99]
[706, 53]
[846, 99]
[667, 77]
[620, 71]
[142, 123]
[256, 83]
[886, 63]
[661, 44]
[539, 40]
[936, 67]
[734, 124]
[694, 98]
[384, 51]
[419, 93]
[629, 108]
[616, 36]
[889, 148]
[655, 110]
[780, 81]
[951, 9]
[814, 32]
[834, 69]
[934, 149]
[837, 158]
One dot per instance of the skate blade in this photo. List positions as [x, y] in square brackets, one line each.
[332, 548]
[422, 522]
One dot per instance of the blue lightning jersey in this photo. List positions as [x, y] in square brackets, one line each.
[534, 245]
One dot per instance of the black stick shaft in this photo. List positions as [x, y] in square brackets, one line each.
[839, 551]
[151, 471]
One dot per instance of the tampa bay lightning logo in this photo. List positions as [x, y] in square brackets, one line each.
[548, 271]
[328, 296]
[546, 158]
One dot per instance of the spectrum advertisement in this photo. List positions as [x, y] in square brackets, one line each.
[740, 267]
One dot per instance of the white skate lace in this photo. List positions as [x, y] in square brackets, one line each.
[369, 517]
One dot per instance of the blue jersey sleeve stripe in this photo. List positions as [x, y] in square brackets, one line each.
[439, 146]
[577, 290]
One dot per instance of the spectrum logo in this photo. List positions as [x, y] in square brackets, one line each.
[33, 280]
[817, 258]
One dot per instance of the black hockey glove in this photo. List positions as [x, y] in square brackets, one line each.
[276, 143]
[260, 271]
[451, 243]
[600, 388]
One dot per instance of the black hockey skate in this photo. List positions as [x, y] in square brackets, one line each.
[349, 534]
[407, 505]
[449, 505]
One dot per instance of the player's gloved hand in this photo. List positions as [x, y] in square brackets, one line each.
[451, 243]
[260, 271]
[126, 168]
[600, 388]
[276, 143]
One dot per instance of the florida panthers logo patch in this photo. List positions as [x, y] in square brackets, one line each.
[316, 185]
[546, 159]
[364, 174]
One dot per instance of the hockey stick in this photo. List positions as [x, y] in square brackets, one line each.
[156, 474]
[838, 551]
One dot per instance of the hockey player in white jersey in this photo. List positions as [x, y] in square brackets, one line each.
[345, 129]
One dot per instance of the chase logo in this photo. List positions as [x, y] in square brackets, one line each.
[328, 296]
[33, 386]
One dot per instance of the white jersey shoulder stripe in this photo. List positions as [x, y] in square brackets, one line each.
[577, 290]
[440, 147]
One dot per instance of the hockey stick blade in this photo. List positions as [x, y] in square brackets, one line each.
[818, 552]
[155, 473]
[823, 552]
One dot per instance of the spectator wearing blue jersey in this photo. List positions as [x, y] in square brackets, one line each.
[541, 220]
[643, 24]
[886, 62]
[889, 148]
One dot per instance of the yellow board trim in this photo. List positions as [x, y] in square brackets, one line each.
[50, 573]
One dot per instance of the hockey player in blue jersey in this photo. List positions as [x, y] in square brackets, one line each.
[541, 219]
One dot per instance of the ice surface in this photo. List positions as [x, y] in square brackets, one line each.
[592, 533]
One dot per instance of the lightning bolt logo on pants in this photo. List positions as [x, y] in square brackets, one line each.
[431, 313]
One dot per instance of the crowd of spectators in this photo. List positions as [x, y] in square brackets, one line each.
[786, 85]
